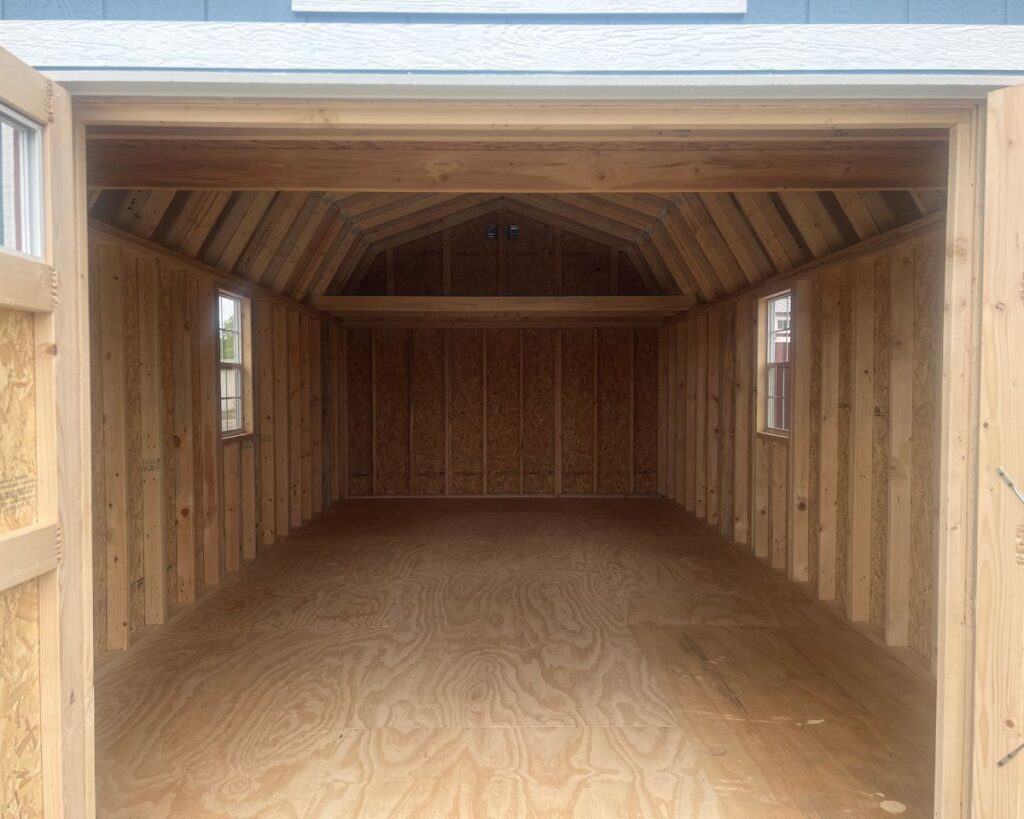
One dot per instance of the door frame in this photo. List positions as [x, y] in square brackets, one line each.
[959, 386]
[55, 550]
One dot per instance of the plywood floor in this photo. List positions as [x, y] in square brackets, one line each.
[510, 658]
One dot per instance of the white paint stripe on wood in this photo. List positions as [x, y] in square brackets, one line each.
[498, 48]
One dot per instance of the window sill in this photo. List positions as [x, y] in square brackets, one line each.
[781, 437]
[241, 435]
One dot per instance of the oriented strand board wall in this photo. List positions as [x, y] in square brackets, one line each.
[21, 781]
[614, 433]
[504, 412]
[391, 351]
[508, 411]
[359, 416]
[428, 416]
[848, 502]
[579, 410]
[541, 349]
[176, 506]
[466, 412]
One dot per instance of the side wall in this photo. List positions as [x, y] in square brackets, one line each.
[502, 411]
[847, 504]
[176, 506]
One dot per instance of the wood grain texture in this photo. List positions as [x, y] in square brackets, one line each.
[578, 412]
[418, 268]
[18, 479]
[547, 168]
[428, 412]
[504, 412]
[466, 411]
[601, 659]
[474, 258]
[645, 412]
[586, 267]
[885, 268]
[392, 411]
[360, 413]
[21, 775]
[532, 260]
[539, 455]
[614, 410]
[924, 492]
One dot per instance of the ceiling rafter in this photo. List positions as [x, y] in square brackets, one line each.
[703, 245]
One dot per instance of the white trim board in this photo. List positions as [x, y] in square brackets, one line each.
[629, 87]
[496, 49]
[521, 6]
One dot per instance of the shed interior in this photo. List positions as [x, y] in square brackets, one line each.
[503, 527]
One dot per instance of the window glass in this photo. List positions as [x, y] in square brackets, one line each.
[20, 183]
[232, 373]
[778, 350]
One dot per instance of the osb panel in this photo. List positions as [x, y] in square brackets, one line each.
[843, 438]
[474, 258]
[99, 494]
[928, 272]
[465, 410]
[419, 267]
[530, 259]
[884, 267]
[17, 420]
[391, 408]
[133, 444]
[504, 448]
[539, 347]
[814, 430]
[645, 411]
[586, 267]
[21, 768]
[375, 280]
[629, 280]
[360, 414]
[614, 385]
[428, 407]
[577, 411]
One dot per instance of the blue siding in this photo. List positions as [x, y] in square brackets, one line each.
[958, 11]
[760, 11]
[857, 11]
[148, 10]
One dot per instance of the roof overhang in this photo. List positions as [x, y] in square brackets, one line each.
[510, 61]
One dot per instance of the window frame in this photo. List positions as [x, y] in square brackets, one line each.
[242, 366]
[30, 180]
[767, 335]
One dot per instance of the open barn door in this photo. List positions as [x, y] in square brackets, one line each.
[45, 618]
[998, 765]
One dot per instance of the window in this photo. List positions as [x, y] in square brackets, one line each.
[232, 314]
[778, 351]
[20, 182]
